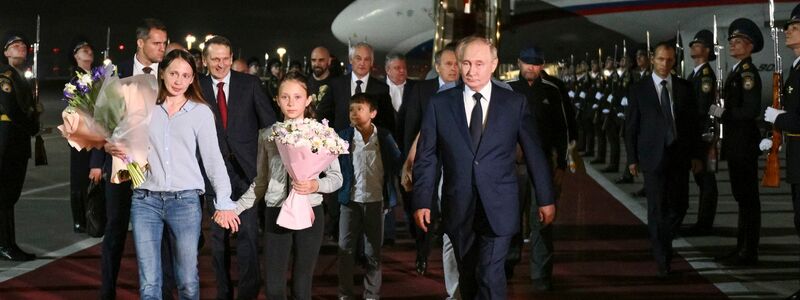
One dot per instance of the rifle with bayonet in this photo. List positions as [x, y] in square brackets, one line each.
[40, 153]
[714, 134]
[772, 169]
[680, 53]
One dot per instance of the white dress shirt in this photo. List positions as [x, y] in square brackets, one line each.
[794, 64]
[225, 87]
[469, 102]
[396, 92]
[353, 83]
[137, 67]
[367, 168]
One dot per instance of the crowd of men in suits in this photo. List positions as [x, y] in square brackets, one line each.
[516, 139]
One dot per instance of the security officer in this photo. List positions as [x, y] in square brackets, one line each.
[740, 146]
[615, 118]
[18, 123]
[546, 103]
[788, 119]
[704, 82]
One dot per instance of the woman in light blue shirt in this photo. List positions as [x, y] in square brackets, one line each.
[181, 126]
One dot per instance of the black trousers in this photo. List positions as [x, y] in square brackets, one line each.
[667, 200]
[13, 168]
[744, 185]
[118, 215]
[707, 203]
[246, 254]
[281, 244]
[588, 134]
[78, 183]
[613, 136]
[600, 133]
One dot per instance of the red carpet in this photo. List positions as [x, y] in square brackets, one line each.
[602, 252]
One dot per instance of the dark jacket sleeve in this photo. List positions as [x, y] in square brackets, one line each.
[261, 105]
[632, 127]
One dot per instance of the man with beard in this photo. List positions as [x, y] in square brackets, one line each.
[321, 74]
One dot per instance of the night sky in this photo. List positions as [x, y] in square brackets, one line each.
[254, 27]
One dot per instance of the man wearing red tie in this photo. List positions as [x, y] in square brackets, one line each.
[241, 109]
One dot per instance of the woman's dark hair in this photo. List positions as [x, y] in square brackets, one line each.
[192, 93]
[303, 81]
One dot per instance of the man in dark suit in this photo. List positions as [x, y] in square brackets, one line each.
[335, 104]
[704, 83]
[480, 206]
[151, 43]
[241, 109]
[446, 66]
[788, 118]
[399, 92]
[740, 144]
[662, 137]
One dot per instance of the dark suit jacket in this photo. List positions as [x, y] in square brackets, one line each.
[125, 68]
[490, 169]
[789, 122]
[335, 105]
[647, 127]
[412, 110]
[248, 111]
[399, 116]
[742, 109]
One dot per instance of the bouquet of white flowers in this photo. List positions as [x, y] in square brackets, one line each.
[307, 148]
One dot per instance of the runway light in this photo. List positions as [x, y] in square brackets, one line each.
[190, 39]
[28, 74]
[121, 47]
[281, 51]
[56, 50]
[266, 56]
[201, 46]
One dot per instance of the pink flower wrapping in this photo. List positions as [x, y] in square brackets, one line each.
[81, 131]
[301, 164]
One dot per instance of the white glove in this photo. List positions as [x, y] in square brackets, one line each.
[598, 96]
[771, 114]
[571, 94]
[595, 106]
[765, 144]
[578, 105]
[606, 111]
[624, 101]
[621, 115]
[610, 98]
[716, 111]
[582, 95]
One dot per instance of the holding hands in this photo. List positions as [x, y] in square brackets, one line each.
[227, 219]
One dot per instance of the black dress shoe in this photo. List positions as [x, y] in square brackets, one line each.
[542, 284]
[795, 296]
[610, 169]
[422, 267]
[624, 179]
[597, 161]
[15, 254]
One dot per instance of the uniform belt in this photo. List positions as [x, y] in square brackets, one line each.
[4, 118]
[792, 134]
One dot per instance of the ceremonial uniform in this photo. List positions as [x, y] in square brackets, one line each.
[18, 123]
[740, 143]
[615, 118]
[704, 82]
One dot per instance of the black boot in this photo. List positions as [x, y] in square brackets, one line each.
[8, 246]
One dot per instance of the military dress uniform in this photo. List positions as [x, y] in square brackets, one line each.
[18, 123]
[704, 82]
[614, 122]
[740, 143]
[602, 110]
[788, 121]
[583, 86]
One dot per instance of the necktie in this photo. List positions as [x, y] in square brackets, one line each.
[147, 70]
[358, 86]
[476, 121]
[223, 105]
[666, 107]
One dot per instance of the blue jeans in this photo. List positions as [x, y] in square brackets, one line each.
[180, 212]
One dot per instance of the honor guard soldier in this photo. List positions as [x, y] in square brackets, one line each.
[602, 110]
[704, 82]
[615, 118]
[740, 143]
[788, 119]
[18, 123]
[641, 71]
[546, 103]
[591, 110]
[580, 100]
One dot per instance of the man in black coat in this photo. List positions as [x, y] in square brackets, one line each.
[661, 136]
[241, 108]
[335, 105]
[740, 143]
